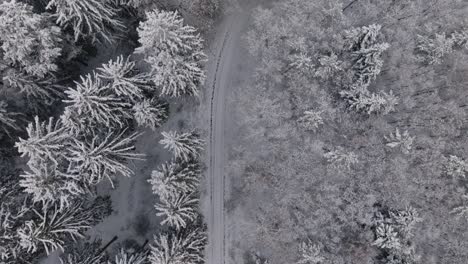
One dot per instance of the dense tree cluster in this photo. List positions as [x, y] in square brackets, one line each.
[50, 202]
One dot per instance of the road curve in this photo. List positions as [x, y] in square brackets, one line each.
[220, 73]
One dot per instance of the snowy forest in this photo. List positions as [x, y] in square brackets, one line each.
[233, 131]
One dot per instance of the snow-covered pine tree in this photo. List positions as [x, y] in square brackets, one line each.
[46, 141]
[362, 37]
[341, 159]
[124, 79]
[433, 49]
[366, 51]
[33, 87]
[362, 100]
[185, 247]
[175, 74]
[92, 19]
[90, 103]
[124, 257]
[185, 146]
[104, 158]
[50, 228]
[301, 61]
[368, 62]
[310, 253]
[84, 253]
[174, 51]
[311, 120]
[387, 237]
[328, 66]
[175, 177]
[178, 210]
[150, 113]
[7, 119]
[28, 40]
[393, 230]
[47, 184]
[54, 227]
[403, 141]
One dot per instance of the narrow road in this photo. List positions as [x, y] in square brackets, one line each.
[220, 74]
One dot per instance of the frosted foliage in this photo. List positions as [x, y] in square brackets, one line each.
[456, 167]
[28, 40]
[310, 253]
[47, 184]
[165, 31]
[54, 228]
[362, 100]
[393, 229]
[184, 248]
[434, 49]
[46, 140]
[7, 119]
[104, 158]
[362, 38]
[301, 61]
[311, 120]
[172, 178]
[362, 42]
[177, 210]
[150, 113]
[84, 253]
[176, 75]
[127, 258]
[328, 66]
[185, 146]
[43, 88]
[403, 141]
[124, 79]
[88, 18]
[341, 159]
[91, 100]
[387, 237]
[174, 52]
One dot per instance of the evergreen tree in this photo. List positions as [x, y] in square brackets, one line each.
[174, 52]
[28, 40]
[185, 146]
[403, 141]
[124, 79]
[46, 141]
[362, 100]
[47, 184]
[328, 66]
[7, 118]
[150, 113]
[127, 258]
[310, 253]
[341, 159]
[185, 247]
[88, 18]
[435, 48]
[178, 210]
[33, 87]
[91, 101]
[54, 229]
[100, 159]
[175, 177]
[84, 253]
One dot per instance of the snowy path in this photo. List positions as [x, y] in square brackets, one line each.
[218, 82]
